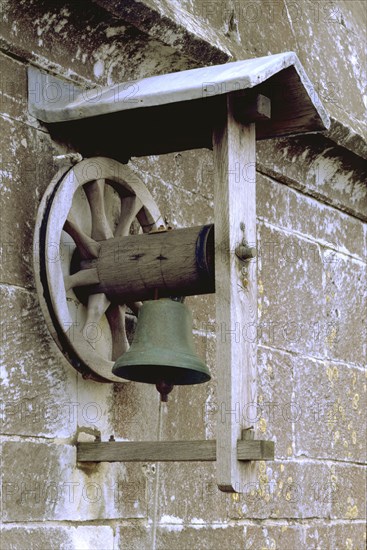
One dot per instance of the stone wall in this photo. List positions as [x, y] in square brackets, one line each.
[312, 253]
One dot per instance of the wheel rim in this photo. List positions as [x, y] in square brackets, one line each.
[96, 199]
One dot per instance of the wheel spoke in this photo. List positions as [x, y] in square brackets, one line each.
[83, 277]
[97, 306]
[101, 229]
[116, 319]
[130, 206]
[87, 247]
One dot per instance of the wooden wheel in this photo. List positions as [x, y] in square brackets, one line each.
[95, 200]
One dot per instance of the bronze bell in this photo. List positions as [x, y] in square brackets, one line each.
[162, 351]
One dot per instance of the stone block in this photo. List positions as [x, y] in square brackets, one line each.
[290, 282]
[348, 491]
[332, 176]
[329, 226]
[349, 535]
[191, 171]
[277, 409]
[202, 308]
[41, 482]
[13, 88]
[134, 411]
[93, 46]
[331, 25]
[251, 28]
[133, 536]
[272, 201]
[190, 494]
[199, 536]
[53, 538]
[179, 206]
[26, 170]
[331, 399]
[38, 389]
[172, 533]
[345, 297]
[285, 490]
[183, 415]
[271, 537]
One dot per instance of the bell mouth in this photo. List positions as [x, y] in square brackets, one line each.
[153, 374]
[174, 368]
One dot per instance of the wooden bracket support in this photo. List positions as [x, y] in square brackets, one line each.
[250, 106]
[234, 148]
[169, 451]
[225, 107]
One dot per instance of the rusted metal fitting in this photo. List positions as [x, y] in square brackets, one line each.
[245, 252]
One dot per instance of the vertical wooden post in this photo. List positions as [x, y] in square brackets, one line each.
[234, 146]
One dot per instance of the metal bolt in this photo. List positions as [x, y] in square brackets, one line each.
[69, 158]
[245, 252]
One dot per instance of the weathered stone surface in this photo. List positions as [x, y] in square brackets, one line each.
[190, 494]
[135, 536]
[203, 313]
[133, 411]
[85, 44]
[289, 285]
[188, 170]
[277, 408]
[325, 224]
[350, 535]
[288, 208]
[13, 87]
[38, 389]
[178, 28]
[24, 180]
[173, 534]
[181, 208]
[185, 416]
[332, 28]
[274, 536]
[41, 482]
[53, 538]
[347, 491]
[285, 490]
[345, 295]
[272, 201]
[317, 168]
[331, 406]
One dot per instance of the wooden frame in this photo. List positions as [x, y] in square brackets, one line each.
[234, 149]
[170, 451]
[215, 107]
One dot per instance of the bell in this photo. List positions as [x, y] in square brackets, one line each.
[162, 351]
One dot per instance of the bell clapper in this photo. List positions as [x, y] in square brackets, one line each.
[164, 389]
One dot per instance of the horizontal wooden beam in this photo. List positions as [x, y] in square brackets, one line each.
[169, 451]
[174, 263]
